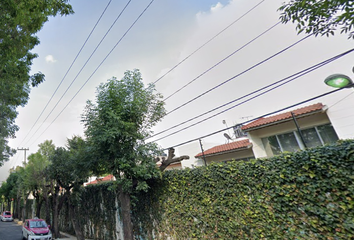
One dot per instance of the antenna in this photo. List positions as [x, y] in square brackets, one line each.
[224, 122]
[227, 136]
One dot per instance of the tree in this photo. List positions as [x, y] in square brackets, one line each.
[320, 17]
[16, 190]
[116, 126]
[69, 172]
[54, 171]
[19, 22]
[35, 178]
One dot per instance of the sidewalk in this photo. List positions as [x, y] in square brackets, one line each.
[67, 237]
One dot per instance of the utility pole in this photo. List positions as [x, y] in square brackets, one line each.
[201, 147]
[23, 149]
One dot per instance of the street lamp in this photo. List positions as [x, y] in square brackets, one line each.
[339, 81]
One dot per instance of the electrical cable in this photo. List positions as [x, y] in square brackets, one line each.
[77, 55]
[224, 59]
[211, 39]
[262, 116]
[260, 94]
[341, 100]
[93, 52]
[243, 72]
[307, 70]
[97, 68]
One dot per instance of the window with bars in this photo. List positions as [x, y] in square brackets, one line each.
[291, 141]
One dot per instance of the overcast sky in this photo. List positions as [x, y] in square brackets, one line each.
[168, 32]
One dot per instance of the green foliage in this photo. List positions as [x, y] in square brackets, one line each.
[19, 22]
[67, 166]
[320, 17]
[97, 212]
[116, 126]
[303, 195]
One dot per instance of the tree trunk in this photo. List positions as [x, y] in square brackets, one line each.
[18, 208]
[126, 216]
[38, 207]
[76, 221]
[47, 209]
[55, 213]
[24, 210]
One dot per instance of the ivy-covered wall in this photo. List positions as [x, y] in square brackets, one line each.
[303, 195]
[98, 213]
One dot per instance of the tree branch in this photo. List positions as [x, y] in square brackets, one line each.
[171, 159]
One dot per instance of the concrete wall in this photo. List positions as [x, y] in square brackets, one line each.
[341, 113]
[192, 149]
[230, 156]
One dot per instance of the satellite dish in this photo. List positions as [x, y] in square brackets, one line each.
[227, 136]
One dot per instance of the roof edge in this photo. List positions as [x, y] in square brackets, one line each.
[324, 109]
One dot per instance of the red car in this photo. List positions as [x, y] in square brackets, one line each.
[36, 229]
[6, 216]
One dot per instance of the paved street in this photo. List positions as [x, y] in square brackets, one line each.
[10, 231]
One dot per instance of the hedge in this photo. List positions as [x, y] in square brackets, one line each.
[303, 195]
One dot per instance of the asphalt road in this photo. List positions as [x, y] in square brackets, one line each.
[10, 231]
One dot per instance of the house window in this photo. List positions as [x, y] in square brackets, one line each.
[291, 142]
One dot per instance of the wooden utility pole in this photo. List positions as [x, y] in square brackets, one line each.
[23, 149]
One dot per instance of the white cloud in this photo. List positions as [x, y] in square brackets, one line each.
[217, 7]
[214, 8]
[50, 59]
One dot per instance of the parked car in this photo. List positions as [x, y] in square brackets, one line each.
[6, 216]
[36, 229]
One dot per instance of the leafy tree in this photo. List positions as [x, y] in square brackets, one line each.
[19, 22]
[116, 126]
[35, 178]
[16, 190]
[320, 17]
[69, 172]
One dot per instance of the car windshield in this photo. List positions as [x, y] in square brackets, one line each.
[37, 224]
[7, 213]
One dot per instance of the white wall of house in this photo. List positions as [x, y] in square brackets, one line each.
[256, 136]
[341, 113]
[192, 149]
[230, 156]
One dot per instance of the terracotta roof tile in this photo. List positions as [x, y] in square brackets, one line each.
[105, 179]
[226, 147]
[283, 116]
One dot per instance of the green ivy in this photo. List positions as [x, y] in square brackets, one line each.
[303, 195]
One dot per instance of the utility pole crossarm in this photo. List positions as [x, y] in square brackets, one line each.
[23, 149]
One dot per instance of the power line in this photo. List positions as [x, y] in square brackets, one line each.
[341, 100]
[97, 67]
[93, 52]
[211, 39]
[77, 55]
[298, 74]
[224, 59]
[243, 72]
[228, 109]
[251, 120]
